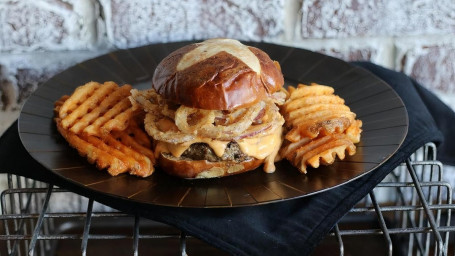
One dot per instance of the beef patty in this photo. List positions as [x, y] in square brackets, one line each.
[202, 151]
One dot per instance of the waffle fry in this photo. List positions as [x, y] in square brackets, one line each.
[134, 130]
[58, 104]
[354, 131]
[312, 128]
[112, 147]
[319, 126]
[80, 94]
[117, 156]
[321, 150]
[314, 89]
[97, 109]
[316, 108]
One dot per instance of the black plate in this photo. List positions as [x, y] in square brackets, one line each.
[383, 114]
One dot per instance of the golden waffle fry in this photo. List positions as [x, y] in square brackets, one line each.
[324, 149]
[290, 90]
[298, 103]
[137, 139]
[115, 119]
[312, 128]
[290, 147]
[79, 95]
[134, 130]
[299, 113]
[58, 104]
[311, 110]
[313, 90]
[117, 153]
[97, 109]
[319, 127]
[354, 131]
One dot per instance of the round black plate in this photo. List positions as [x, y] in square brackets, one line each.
[383, 114]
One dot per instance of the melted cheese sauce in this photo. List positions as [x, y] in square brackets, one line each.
[260, 147]
[177, 149]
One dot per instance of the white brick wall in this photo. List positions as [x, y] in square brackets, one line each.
[25, 71]
[352, 18]
[133, 23]
[53, 25]
[430, 60]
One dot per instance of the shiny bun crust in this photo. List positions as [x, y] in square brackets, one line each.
[191, 169]
[232, 76]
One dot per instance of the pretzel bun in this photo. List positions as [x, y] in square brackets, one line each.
[217, 74]
[185, 168]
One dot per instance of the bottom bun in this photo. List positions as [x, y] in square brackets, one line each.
[197, 169]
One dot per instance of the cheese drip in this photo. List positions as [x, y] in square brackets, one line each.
[264, 147]
[261, 146]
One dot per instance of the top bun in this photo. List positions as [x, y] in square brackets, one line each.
[217, 74]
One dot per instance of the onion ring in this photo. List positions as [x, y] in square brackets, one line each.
[215, 124]
[151, 102]
[182, 114]
[271, 120]
[170, 136]
[241, 123]
[143, 98]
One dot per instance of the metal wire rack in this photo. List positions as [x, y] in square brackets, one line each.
[408, 213]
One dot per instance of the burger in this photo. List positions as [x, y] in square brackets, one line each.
[212, 110]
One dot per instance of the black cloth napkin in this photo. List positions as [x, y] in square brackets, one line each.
[292, 227]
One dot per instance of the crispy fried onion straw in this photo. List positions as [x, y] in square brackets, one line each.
[179, 124]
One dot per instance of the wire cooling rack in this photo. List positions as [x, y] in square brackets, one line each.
[408, 213]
